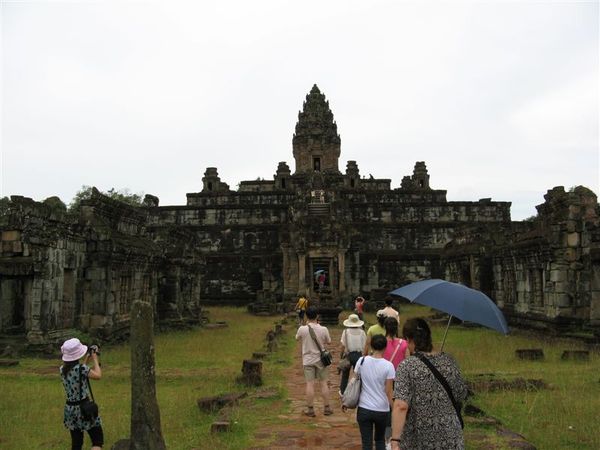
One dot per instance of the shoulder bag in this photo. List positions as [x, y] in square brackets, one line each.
[444, 384]
[326, 358]
[89, 408]
[351, 395]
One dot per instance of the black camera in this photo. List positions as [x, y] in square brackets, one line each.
[93, 349]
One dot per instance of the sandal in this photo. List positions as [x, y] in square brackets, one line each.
[327, 411]
[309, 411]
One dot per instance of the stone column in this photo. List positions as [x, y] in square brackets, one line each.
[146, 432]
[342, 270]
[301, 274]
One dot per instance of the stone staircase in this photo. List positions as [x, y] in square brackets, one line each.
[319, 209]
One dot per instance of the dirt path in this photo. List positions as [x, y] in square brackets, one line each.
[322, 432]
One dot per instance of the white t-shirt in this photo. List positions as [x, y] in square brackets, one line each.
[374, 373]
[354, 339]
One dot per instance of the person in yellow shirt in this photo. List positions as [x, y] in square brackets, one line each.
[301, 309]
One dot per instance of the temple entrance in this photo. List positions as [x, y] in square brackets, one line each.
[323, 277]
[12, 315]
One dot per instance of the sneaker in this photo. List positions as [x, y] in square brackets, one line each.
[327, 411]
[309, 411]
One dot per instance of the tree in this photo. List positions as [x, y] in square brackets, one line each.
[122, 195]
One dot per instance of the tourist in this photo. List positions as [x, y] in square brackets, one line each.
[375, 330]
[75, 373]
[311, 361]
[377, 377]
[301, 308]
[396, 349]
[424, 416]
[395, 352]
[389, 311]
[353, 341]
[359, 304]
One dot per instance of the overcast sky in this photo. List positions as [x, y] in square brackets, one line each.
[499, 98]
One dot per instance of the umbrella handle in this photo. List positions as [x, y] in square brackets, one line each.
[446, 333]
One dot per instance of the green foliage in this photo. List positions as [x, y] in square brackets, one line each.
[530, 219]
[56, 204]
[123, 195]
[4, 203]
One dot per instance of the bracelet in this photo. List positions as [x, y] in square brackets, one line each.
[395, 440]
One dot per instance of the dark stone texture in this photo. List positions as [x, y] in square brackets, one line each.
[576, 355]
[215, 403]
[533, 354]
[146, 432]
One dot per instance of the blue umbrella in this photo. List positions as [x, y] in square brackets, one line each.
[457, 300]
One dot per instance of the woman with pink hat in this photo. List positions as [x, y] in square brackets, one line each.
[75, 376]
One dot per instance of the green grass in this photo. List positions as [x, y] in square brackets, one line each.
[198, 363]
[189, 365]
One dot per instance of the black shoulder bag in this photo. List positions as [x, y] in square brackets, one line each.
[326, 358]
[444, 384]
[89, 408]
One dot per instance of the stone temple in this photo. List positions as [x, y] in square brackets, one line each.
[263, 244]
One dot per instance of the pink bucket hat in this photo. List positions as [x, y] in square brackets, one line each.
[72, 350]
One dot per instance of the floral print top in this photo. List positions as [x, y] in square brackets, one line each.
[431, 421]
[72, 414]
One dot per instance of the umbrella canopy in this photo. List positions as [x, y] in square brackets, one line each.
[320, 271]
[457, 300]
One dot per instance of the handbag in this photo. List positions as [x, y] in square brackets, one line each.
[444, 384]
[351, 395]
[89, 408]
[326, 357]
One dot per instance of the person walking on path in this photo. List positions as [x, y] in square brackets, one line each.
[75, 376]
[389, 311]
[311, 361]
[374, 330]
[353, 341]
[425, 415]
[396, 349]
[359, 305]
[377, 377]
[301, 306]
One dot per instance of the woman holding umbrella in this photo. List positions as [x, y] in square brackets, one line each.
[434, 420]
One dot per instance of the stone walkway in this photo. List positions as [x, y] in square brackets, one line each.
[340, 430]
[322, 432]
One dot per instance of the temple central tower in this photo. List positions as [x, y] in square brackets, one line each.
[316, 142]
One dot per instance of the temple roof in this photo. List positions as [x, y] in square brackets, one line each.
[316, 119]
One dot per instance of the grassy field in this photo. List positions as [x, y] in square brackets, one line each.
[190, 365]
[201, 362]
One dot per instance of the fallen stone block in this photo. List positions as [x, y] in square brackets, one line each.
[215, 403]
[220, 427]
[575, 355]
[251, 372]
[532, 354]
[9, 362]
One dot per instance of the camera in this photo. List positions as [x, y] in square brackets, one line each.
[93, 349]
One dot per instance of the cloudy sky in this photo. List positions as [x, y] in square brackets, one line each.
[500, 98]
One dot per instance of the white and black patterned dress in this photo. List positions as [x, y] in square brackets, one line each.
[431, 422]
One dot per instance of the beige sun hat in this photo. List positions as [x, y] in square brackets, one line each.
[353, 321]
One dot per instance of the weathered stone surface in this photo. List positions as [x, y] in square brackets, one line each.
[121, 444]
[251, 372]
[215, 403]
[533, 354]
[220, 427]
[146, 433]
[577, 355]
[9, 362]
[259, 355]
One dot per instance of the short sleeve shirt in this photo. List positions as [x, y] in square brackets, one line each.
[432, 422]
[374, 372]
[375, 329]
[354, 339]
[311, 356]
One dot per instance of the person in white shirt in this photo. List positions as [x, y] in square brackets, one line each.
[389, 311]
[311, 361]
[377, 375]
[353, 341]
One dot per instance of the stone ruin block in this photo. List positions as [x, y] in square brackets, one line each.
[532, 354]
[575, 355]
[215, 403]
